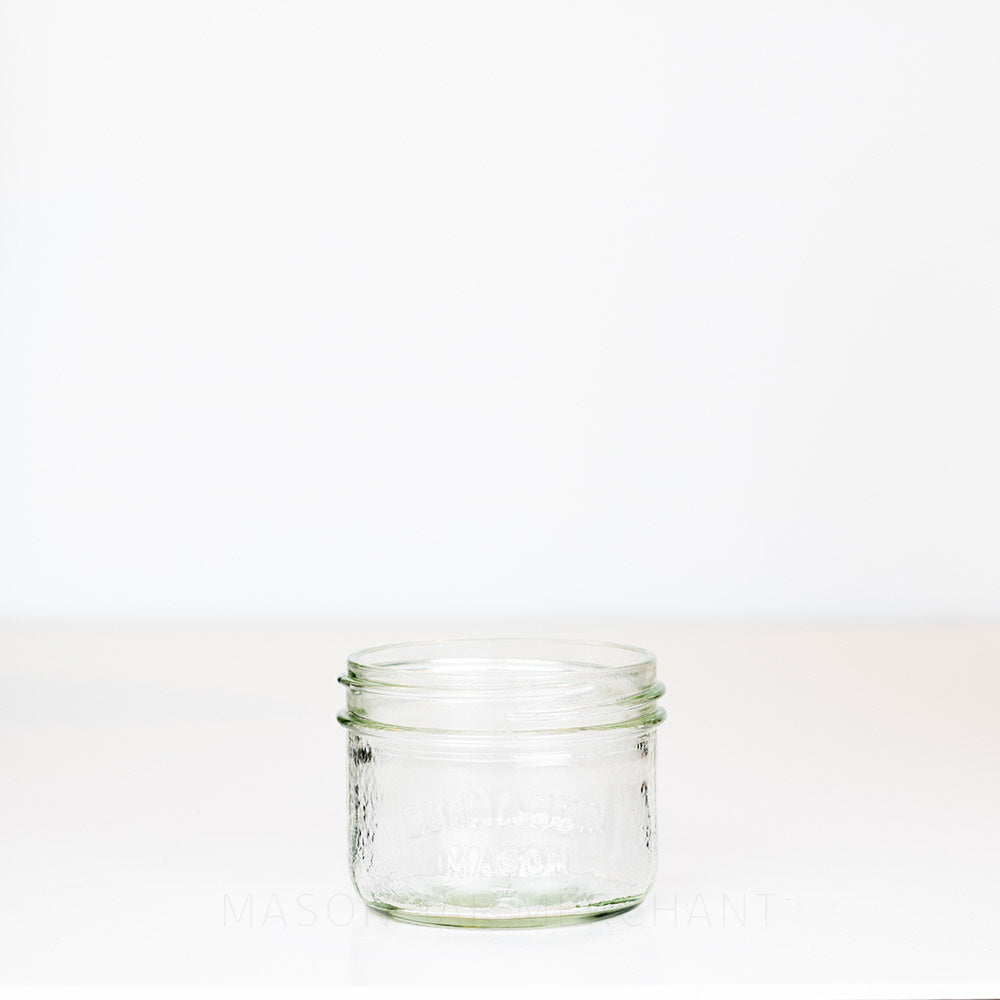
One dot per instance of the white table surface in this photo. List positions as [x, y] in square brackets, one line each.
[829, 809]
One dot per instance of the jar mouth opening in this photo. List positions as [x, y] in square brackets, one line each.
[494, 651]
[501, 685]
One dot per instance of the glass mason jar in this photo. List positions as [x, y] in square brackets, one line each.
[502, 782]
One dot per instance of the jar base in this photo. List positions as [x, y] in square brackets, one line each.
[508, 917]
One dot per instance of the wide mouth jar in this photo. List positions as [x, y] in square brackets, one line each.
[501, 782]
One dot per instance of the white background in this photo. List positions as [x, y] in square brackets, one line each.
[519, 309]
[352, 322]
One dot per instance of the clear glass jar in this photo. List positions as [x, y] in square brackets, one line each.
[502, 782]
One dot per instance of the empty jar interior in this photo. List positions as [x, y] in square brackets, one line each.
[502, 781]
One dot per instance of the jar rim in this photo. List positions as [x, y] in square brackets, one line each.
[479, 686]
[646, 658]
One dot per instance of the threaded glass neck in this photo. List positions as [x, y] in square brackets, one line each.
[497, 686]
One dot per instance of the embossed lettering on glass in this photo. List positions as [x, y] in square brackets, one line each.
[502, 782]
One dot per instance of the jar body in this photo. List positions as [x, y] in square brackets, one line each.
[552, 830]
[502, 782]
